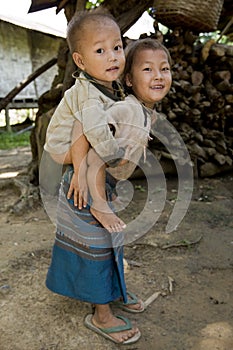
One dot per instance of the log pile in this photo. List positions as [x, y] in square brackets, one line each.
[200, 103]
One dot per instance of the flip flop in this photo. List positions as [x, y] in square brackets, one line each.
[132, 301]
[105, 331]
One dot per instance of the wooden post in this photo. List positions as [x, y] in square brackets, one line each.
[7, 119]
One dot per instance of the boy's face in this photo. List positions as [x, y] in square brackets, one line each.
[101, 53]
[150, 77]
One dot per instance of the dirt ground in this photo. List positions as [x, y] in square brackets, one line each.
[191, 268]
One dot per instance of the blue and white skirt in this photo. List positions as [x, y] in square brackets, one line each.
[87, 261]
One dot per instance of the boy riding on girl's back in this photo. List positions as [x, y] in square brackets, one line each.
[130, 122]
[91, 272]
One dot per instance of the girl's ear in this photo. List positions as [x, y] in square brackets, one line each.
[128, 80]
[77, 57]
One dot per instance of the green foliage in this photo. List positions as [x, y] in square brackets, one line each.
[204, 37]
[10, 140]
[92, 4]
[140, 188]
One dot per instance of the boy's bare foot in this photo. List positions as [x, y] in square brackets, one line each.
[108, 219]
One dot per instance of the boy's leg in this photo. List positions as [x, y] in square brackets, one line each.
[100, 209]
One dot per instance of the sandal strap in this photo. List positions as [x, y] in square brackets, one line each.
[133, 299]
[127, 326]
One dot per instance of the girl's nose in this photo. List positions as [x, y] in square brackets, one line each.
[158, 74]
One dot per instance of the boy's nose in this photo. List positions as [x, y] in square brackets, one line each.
[112, 56]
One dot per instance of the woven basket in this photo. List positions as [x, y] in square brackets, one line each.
[198, 15]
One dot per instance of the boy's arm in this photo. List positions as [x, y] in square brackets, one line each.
[79, 150]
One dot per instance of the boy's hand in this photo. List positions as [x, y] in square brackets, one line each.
[78, 188]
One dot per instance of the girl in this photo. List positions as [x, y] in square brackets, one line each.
[87, 261]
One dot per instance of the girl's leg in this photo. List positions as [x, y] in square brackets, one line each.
[100, 209]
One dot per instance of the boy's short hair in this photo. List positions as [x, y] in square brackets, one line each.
[80, 21]
[140, 45]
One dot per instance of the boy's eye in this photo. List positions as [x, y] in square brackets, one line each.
[100, 51]
[166, 68]
[117, 47]
[147, 69]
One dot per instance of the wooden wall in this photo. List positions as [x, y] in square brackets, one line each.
[22, 51]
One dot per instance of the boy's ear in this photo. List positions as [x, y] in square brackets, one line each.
[77, 57]
[128, 80]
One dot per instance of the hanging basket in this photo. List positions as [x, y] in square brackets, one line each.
[198, 15]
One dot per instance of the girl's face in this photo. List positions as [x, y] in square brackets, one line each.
[150, 77]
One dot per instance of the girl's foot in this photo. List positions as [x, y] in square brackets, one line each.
[115, 322]
[133, 305]
[138, 307]
[103, 319]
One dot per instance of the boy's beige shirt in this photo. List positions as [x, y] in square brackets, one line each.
[96, 111]
[84, 102]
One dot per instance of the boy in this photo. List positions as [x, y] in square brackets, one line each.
[81, 117]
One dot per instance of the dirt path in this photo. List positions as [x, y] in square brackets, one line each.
[194, 276]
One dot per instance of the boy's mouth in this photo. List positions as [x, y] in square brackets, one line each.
[112, 69]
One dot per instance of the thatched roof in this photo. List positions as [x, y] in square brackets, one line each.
[38, 5]
[226, 14]
[27, 23]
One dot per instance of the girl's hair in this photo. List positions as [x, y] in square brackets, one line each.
[133, 48]
[80, 22]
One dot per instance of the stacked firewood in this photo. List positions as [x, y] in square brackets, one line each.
[200, 103]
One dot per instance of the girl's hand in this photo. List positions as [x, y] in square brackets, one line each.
[125, 160]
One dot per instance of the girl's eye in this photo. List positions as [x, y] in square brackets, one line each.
[100, 51]
[147, 69]
[166, 69]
